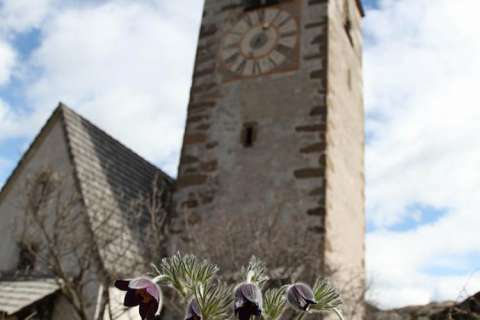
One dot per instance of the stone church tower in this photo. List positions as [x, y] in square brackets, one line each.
[275, 120]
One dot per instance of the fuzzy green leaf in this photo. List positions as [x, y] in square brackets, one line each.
[255, 272]
[197, 272]
[274, 303]
[327, 298]
[185, 272]
[171, 268]
[215, 300]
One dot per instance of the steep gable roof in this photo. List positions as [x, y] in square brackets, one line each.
[109, 177]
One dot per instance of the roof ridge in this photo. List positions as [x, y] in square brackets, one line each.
[66, 109]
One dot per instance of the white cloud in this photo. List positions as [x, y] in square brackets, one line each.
[7, 62]
[401, 265]
[8, 122]
[421, 85]
[22, 15]
[125, 65]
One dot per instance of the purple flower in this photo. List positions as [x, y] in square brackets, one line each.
[193, 311]
[300, 296]
[248, 301]
[141, 292]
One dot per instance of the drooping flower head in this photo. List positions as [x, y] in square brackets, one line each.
[193, 311]
[248, 301]
[300, 296]
[143, 292]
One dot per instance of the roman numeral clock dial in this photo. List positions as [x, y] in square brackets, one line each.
[263, 41]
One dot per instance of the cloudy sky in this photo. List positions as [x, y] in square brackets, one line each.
[126, 65]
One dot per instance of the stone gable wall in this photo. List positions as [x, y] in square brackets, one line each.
[49, 151]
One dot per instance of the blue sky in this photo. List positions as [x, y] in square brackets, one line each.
[106, 59]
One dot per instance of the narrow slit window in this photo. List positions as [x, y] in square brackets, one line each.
[349, 79]
[348, 22]
[249, 135]
[348, 30]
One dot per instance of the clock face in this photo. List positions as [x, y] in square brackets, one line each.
[262, 42]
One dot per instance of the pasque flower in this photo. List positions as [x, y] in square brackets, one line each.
[193, 311]
[300, 296]
[143, 292]
[248, 301]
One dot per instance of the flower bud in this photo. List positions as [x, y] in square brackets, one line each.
[248, 301]
[193, 311]
[142, 292]
[300, 296]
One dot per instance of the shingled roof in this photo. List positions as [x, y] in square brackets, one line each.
[109, 177]
[16, 295]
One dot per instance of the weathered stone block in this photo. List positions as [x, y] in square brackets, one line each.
[203, 127]
[195, 138]
[208, 30]
[197, 118]
[191, 180]
[319, 211]
[319, 111]
[188, 159]
[311, 128]
[309, 173]
[314, 148]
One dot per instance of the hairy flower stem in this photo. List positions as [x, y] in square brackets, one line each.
[301, 316]
[336, 310]
[338, 313]
[250, 276]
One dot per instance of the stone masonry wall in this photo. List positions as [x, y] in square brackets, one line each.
[284, 171]
[307, 160]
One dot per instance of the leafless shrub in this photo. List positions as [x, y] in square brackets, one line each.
[231, 240]
[87, 250]
[149, 216]
[290, 250]
[55, 233]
